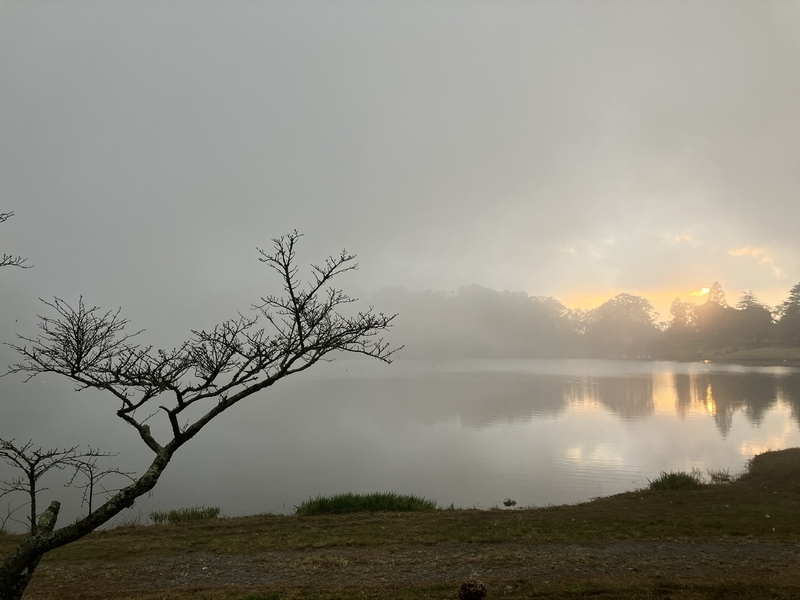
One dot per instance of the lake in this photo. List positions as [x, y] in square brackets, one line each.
[473, 432]
[467, 432]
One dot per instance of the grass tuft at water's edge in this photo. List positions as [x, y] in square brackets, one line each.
[375, 502]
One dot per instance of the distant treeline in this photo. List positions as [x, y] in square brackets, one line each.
[477, 322]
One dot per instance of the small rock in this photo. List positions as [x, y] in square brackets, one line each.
[472, 589]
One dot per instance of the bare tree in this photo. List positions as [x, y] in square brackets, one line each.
[36, 462]
[92, 475]
[7, 260]
[190, 385]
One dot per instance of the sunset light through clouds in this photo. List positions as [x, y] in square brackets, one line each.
[573, 150]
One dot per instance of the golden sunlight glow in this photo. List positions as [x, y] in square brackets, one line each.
[661, 299]
[700, 292]
[587, 301]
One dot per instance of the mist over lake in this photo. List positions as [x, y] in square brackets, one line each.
[470, 432]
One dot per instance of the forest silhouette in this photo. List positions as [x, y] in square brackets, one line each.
[477, 322]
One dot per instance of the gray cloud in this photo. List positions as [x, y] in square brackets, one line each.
[549, 147]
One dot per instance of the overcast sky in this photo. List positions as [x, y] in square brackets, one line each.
[573, 149]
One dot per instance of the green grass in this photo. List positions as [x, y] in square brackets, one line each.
[676, 480]
[377, 502]
[181, 515]
[765, 355]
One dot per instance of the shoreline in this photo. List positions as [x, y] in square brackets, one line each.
[697, 542]
[745, 362]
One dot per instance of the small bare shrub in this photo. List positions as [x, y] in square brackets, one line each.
[717, 476]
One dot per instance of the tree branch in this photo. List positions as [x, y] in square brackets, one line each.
[212, 371]
[9, 260]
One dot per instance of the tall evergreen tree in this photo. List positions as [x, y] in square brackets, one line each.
[715, 318]
[716, 295]
[789, 322]
[753, 321]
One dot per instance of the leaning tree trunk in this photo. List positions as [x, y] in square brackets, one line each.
[17, 569]
[14, 581]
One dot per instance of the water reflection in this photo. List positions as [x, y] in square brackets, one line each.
[719, 395]
[487, 399]
[626, 397]
[470, 433]
[542, 431]
[485, 393]
[789, 393]
[475, 401]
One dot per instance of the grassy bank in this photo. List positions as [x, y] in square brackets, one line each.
[760, 507]
[766, 355]
[770, 355]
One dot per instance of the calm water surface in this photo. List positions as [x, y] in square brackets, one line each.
[470, 433]
[474, 432]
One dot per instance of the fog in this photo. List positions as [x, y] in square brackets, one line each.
[571, 150]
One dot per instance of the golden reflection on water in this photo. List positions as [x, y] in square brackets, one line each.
[711, 407]
[766, 407]
[778, 440]
[662, 394]
[665, 397]
[699, 394]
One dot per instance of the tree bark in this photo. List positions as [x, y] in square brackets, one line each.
[13, 584]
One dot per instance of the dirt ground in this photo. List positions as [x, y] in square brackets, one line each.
[505, 565]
